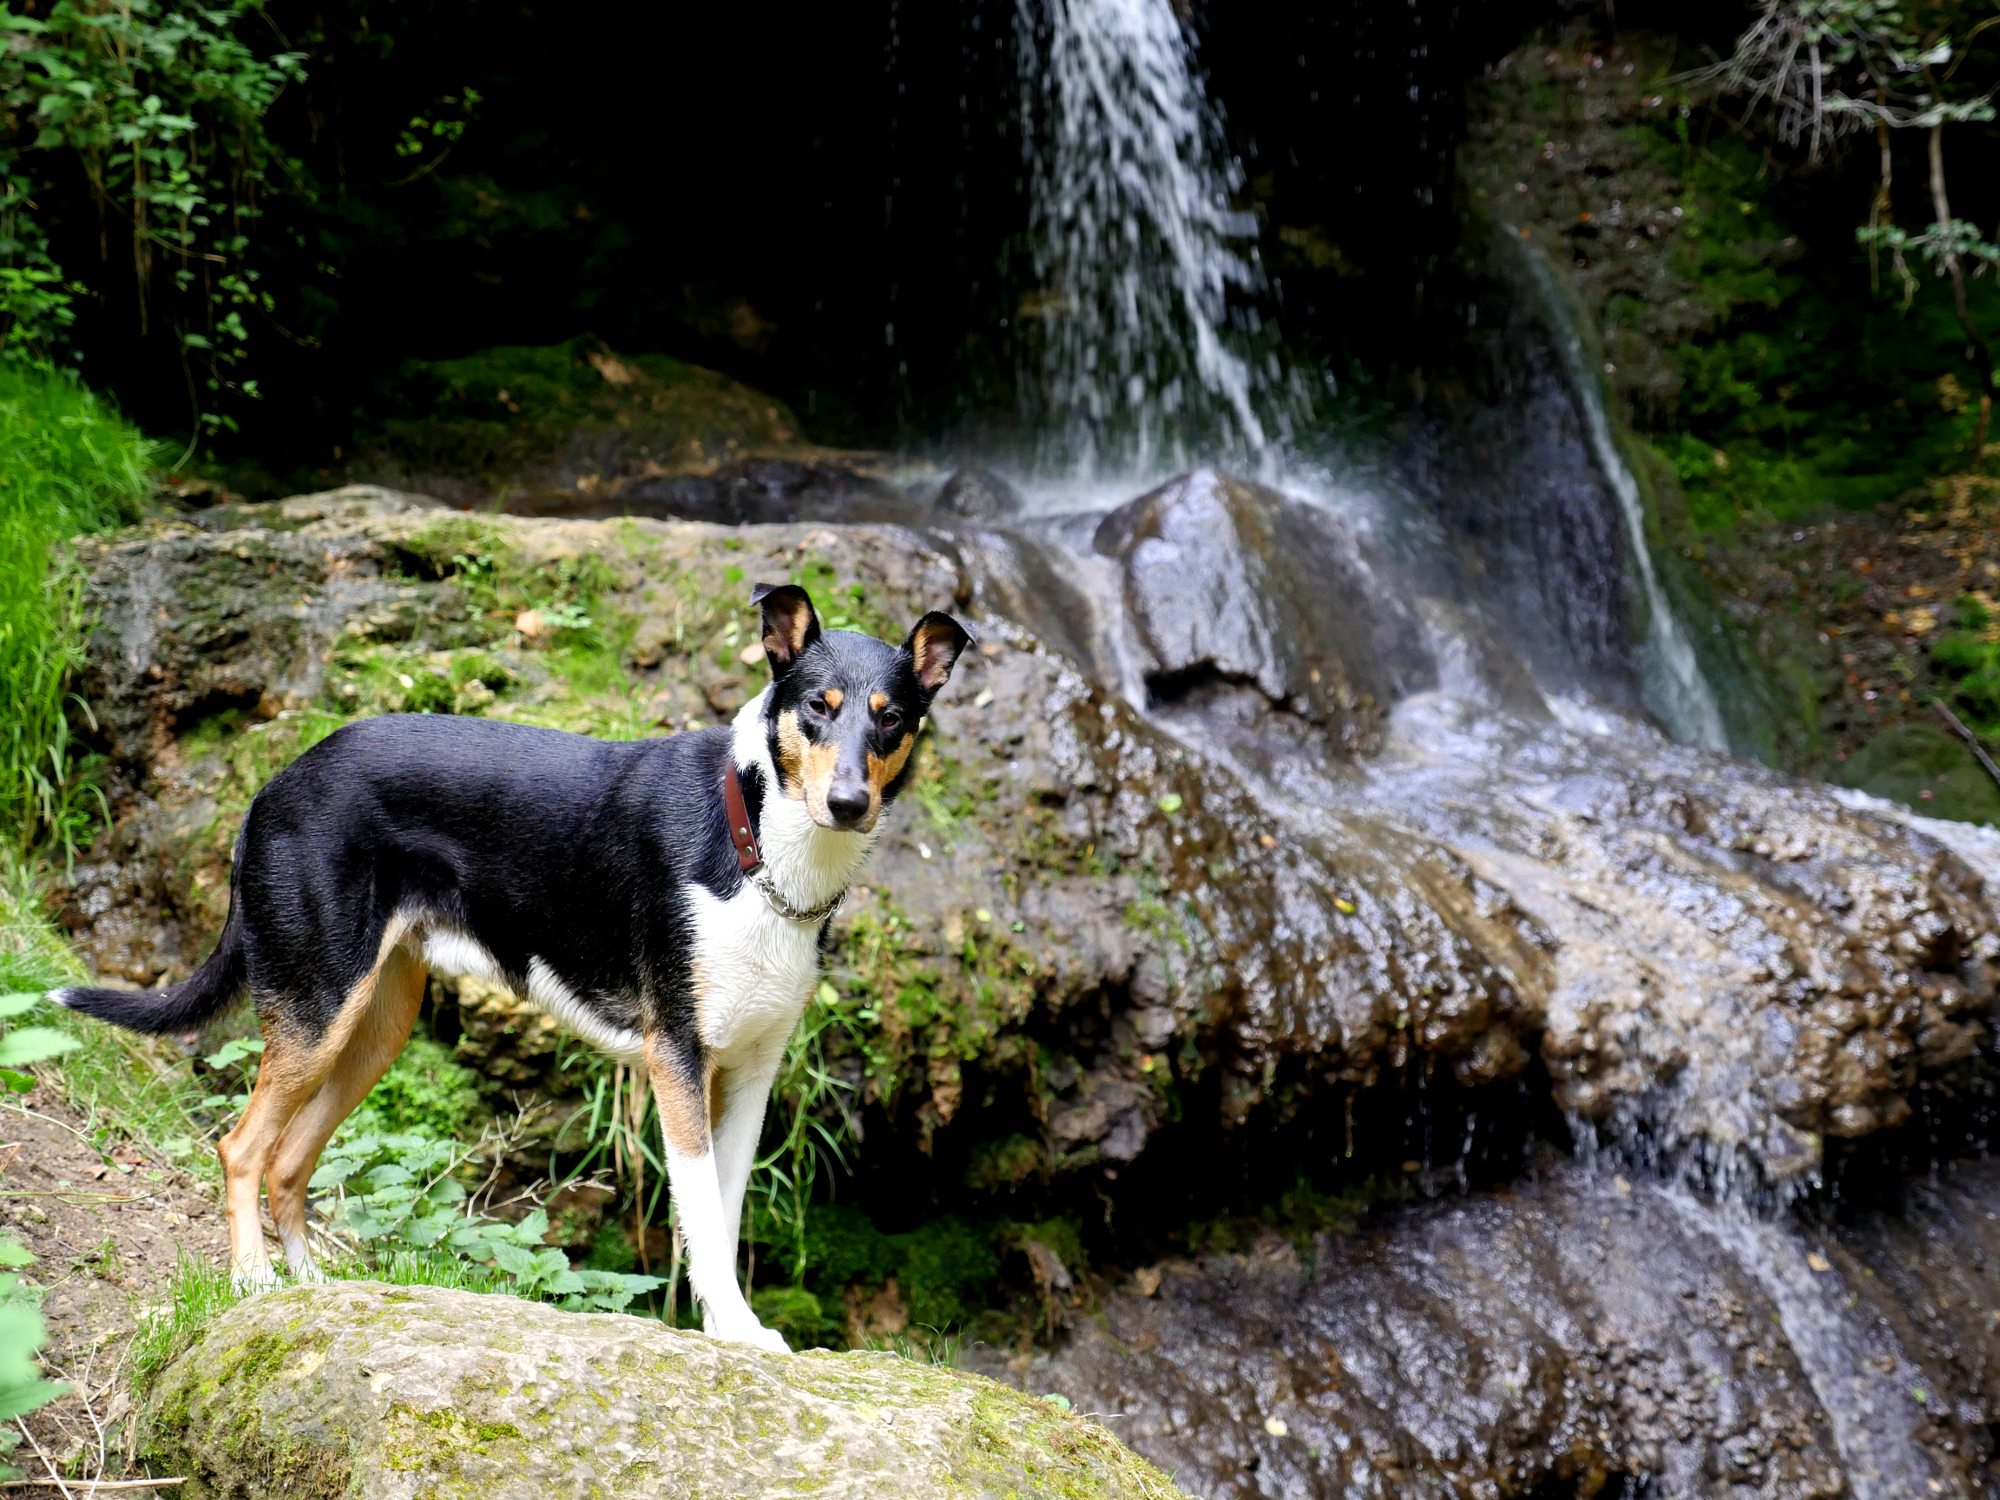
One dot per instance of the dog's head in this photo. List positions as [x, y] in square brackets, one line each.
[845, 708]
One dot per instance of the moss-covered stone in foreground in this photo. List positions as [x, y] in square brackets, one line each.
[378, 1391]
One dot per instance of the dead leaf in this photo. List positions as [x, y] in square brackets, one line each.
[1817, 1261]
[529, 623]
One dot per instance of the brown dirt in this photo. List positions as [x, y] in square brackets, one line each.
[106, 1229]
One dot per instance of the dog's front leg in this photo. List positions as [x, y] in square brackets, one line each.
[681, 1087]
[738, 1097]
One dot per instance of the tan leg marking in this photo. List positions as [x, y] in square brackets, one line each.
[289, 1074]
[377, 1036]
[685, 1110]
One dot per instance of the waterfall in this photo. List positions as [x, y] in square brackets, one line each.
[1136, 249]
[1670, 676]
[1148, 353]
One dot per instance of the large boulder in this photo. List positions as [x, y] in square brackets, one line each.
[1226, 580]
[1222, 815]
[383, 1393]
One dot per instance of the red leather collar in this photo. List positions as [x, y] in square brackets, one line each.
[741, 833]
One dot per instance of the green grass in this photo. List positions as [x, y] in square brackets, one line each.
[202, 1290]
[68, 464]
[126, 1087]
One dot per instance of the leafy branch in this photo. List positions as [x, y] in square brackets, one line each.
[1818, 70]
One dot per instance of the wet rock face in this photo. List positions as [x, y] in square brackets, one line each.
[376, 1392]
[195, 621]
[1577, 1336]
[978, 495]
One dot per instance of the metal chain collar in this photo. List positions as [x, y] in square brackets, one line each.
[759, 878]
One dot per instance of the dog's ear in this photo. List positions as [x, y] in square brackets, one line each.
[934, 647]
[790, 624]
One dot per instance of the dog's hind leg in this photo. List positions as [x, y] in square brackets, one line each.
[681, 1087]
[291, 1070]
[373, 1042]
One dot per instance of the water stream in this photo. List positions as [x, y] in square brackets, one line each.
[1848, 1361]
[1670, 674]
[1154, 357]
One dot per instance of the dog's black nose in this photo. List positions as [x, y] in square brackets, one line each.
[848, 804]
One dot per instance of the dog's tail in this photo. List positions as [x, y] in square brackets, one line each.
[179, 1007]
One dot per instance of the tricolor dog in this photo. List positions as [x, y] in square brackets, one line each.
[664, 899]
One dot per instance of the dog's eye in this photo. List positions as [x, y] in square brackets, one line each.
[820, 706]
[890, 718]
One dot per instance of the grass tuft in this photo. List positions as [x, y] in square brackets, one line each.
[201, 1291]
[68, 464]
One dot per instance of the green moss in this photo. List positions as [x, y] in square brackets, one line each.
[611, 1249]
[1006, 1163]
[1300, 1213]
[947, 1267]
[794, 1312]
[919, 1015]
[449, 1424]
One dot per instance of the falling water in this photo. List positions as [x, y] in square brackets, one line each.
[1670, 674]
[1846, 1357]
[1137, 252]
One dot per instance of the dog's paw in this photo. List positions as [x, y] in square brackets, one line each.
[753, 1333]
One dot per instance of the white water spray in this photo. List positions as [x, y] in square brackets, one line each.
[1137, 250]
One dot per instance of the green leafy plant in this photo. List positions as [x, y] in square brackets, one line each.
[399, 1195]
[805, 1128]
[27, 1044]
[1972, 661]
[1821, 69]
[161, 104]
[22, 1333]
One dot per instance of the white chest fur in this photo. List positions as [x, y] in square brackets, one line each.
[754, 969]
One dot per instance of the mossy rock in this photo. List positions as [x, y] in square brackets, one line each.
[530, 425]
[369, 1390]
